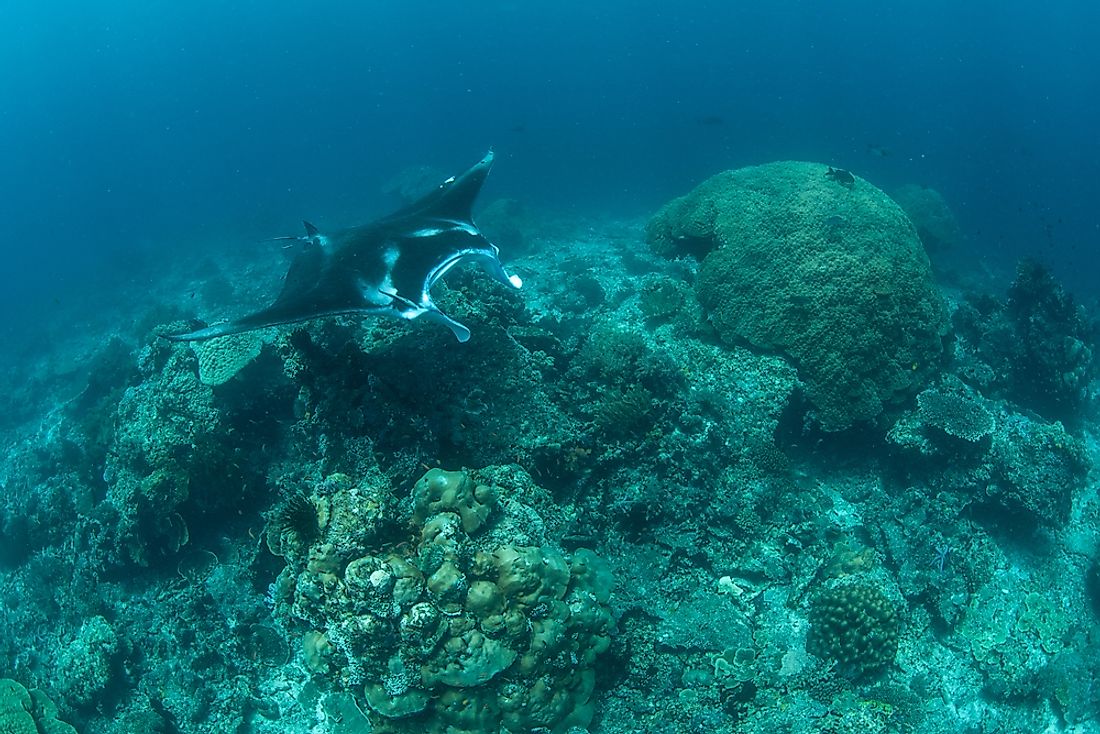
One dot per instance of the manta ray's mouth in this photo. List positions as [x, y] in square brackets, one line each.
[488, 259]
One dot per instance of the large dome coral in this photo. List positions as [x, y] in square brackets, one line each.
[828, 272]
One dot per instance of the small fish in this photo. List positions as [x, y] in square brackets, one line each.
[841, 176]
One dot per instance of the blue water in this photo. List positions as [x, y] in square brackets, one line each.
[158, 129]
[139, 139]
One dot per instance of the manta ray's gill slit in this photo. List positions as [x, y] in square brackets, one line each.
[452, 226]
[379, 294]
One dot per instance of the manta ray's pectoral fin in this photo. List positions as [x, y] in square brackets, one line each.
[461, 332]
[452, 200]
[383, 268]
[306, 294]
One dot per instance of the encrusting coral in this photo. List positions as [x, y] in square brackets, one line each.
[28, 712]
[221, 359]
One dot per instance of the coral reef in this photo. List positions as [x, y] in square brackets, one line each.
[169, 457]
[1026, 470]
[1012, 636]
[833, 277]
[444, 632]
[1037, 468]
[85, 666]
[275, 553]
[1036, 348]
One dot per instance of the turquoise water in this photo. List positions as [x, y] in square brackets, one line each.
[790, 427]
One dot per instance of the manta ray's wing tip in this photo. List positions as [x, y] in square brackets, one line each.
[186, 336]
[203, 333]
[170, 332]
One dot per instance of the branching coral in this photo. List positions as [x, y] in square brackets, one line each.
[955, 414]
[855, 625]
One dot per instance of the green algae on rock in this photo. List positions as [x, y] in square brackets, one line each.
[833, 277]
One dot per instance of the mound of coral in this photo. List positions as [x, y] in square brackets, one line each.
[855, 625]
[928, 211]
[446, 629]
[831, 275]
[1036, 347]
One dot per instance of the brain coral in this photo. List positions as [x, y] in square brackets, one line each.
[831, 275]
[221, 359]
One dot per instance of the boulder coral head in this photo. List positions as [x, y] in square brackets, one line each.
[856, 626]
[448, 630]
[833, 277]
[928, 211]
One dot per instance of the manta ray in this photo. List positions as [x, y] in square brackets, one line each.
[384, 268]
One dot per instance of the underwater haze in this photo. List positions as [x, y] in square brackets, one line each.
[792, 425]
[161, 127]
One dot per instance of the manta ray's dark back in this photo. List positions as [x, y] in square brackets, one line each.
[384, 268]
[452, 199]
